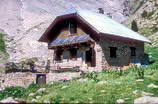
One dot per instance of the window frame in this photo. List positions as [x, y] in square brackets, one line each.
[58, 55]
[133, 51]
[73, 54]
[113, 52]
[72, 27]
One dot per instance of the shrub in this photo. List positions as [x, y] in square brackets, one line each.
[150, 14]
[15, 92]
[56, 99]
[144, 14]
[140, 73]
[92, 75]
[2, 44]
[134, 26]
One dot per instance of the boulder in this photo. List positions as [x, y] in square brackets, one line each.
[147, 94]
[46, 101]
[146, 100]
[140, 80]
[120, 101]
[31, 94]
[37, 97]
[64, 87]
[102, 82]
[83, 80]
[34, 100]
[8, 100]
[41, 90]
[152, 86]
[135, 92]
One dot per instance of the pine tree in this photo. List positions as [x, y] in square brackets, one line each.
[134, 26]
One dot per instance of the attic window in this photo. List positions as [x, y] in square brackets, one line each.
[72, 27]
[133, 51]
[113, 52]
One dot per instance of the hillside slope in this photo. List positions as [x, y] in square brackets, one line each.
[147, 20]
[24, 21]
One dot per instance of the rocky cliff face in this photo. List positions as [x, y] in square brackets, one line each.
[147, 20]
[24, 21]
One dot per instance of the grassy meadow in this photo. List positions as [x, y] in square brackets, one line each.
[97, 87]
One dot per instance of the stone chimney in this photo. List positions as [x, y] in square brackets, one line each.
[109, 15]
[101, 10]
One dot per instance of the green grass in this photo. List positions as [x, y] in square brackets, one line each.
[119, 85]
[2, 44]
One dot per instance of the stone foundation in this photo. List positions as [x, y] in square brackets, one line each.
[25, 79]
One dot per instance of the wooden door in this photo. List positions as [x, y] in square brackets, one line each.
[91, 57]
[41, 79]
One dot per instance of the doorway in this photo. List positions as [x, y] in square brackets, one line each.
[91, 58]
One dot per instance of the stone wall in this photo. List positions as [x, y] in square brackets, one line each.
[25, 79]
[123, 53]
[51, 77]
[17, 79]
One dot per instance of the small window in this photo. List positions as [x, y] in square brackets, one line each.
[133, 51]
[58, 55]
[113, 52]
[72, 27]
[73, 53]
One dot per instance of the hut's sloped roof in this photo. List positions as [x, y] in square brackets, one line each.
[106, 25]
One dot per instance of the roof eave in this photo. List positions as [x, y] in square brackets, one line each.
[111, 35]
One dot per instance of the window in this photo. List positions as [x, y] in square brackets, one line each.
[72, 27]
[113, 52]
[58, 55]
[73, 53]
[133, 51]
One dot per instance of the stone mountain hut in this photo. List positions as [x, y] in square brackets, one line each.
[90, 41]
